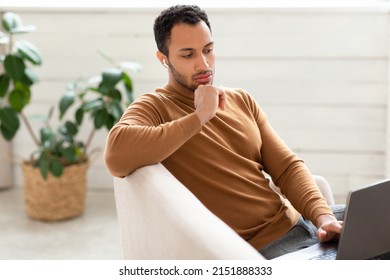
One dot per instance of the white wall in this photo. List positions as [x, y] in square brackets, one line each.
[320, 74]
[5, 165]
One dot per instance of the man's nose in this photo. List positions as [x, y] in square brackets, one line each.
[201, 63]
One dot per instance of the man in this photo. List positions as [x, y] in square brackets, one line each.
[217, 141]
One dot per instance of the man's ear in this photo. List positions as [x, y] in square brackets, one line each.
[162, 58]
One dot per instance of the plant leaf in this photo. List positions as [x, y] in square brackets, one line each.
[115, 109]
[71, 128]
[7, 133]
[13, 24]
[55, 167]
[18, 99]
[9, 122]
[29, 77]
[29, 51]
[110, 77]
[100, 118]
[79, 115]
[110, 121]
[11, 21]
[23, 29]
[69, 154]
[128, 87]
[115, 94]
[14, 67]
[46, 134]
[43, 165]
[4, 84]
[50, 113]
[94, 80]
[133, 66]
[38, 118]
[3, 38]
[23, 87]
[106, 56]
[66, 101]
[93, 105]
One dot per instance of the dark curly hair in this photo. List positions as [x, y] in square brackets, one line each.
[189, 14]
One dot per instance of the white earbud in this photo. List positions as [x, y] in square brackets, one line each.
[165, 64]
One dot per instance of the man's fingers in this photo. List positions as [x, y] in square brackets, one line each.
[329, 231]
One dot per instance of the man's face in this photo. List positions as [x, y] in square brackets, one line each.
[191, 56]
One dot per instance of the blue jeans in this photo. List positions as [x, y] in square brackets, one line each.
[301, 236]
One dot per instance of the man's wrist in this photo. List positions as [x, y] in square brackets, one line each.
[203, 117]
[324, 218]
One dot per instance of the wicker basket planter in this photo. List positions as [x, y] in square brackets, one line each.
[55, 199]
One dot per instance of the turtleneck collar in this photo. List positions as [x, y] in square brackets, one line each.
[184, 95]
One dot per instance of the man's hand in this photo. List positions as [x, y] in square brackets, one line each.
[328, 227]
[207, 99]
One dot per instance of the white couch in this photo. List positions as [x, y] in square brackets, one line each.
[161, 219]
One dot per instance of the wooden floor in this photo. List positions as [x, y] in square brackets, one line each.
[92, 236]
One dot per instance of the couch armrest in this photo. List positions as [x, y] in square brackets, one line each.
[159, 218]
[325, 189]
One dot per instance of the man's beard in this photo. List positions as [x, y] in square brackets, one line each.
[180, 79]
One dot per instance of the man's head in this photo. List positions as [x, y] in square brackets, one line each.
[168, 18]
[185, 46]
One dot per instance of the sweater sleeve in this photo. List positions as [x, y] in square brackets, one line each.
[145, 135]
[288, 171]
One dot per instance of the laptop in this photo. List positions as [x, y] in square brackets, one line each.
[366, 229]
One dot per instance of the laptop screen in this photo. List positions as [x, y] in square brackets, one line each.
[366, 230]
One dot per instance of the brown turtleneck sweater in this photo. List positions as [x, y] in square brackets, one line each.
[221, 162]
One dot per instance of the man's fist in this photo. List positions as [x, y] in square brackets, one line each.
[207, 99]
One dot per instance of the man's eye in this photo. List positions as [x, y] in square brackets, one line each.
[209, 50]
[188, 55]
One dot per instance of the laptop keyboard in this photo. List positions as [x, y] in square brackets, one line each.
[329, 254]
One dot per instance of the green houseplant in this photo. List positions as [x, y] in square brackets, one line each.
[55, 174]
[17, 77]
[100, 100]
